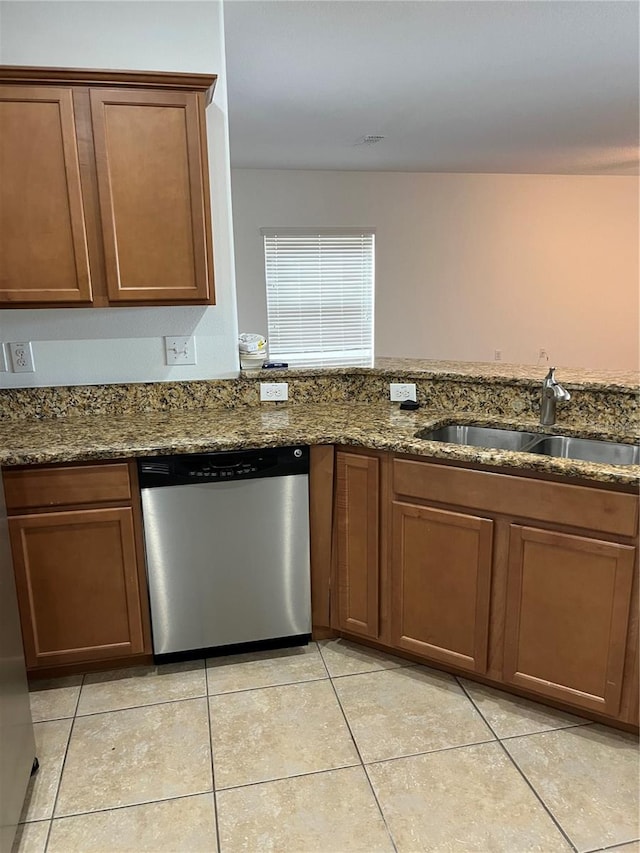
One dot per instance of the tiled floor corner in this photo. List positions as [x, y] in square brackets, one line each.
[137, 755]
[396, 712]
[473, 796]
[334, 810]
[275, 732]
[130, 688]
[588, 778]
[511, 716]
[333, 748]
[183, 825]
[55, 699]
[264, 669]
[342, 657]
[32, 837]
[52, 738]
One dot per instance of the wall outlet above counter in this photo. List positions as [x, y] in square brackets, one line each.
[274, 391]
[399, 391]
[21, 357]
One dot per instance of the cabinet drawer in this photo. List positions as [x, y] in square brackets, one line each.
[67, 486]
[558, 503]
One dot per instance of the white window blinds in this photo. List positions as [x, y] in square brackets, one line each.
[320, 296]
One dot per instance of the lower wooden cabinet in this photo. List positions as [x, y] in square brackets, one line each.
[441, 582]
[527, 582]
[78, 564]
[568, 602]
[358, 544]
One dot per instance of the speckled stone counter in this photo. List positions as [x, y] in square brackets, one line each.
[338, 406]
[485, 371]
[382, 426]
[609, 400]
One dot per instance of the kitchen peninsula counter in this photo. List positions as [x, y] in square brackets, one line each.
[382, 426]
[387, 511]
[343, 406]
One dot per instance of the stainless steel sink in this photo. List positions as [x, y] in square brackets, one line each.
[560, 446]
[587, 450]
[497, 439]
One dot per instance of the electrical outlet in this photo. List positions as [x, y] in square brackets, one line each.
[22, 357]
[543, 354]
[399, 391]
[497, 355]
[180, 350]
[274, 391]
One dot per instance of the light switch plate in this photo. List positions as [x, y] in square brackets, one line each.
[22, 357]
[180, 350]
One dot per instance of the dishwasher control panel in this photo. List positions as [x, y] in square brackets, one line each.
[224, 466]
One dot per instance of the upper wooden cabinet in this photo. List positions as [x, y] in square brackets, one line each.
[104, 188]
[43, 242]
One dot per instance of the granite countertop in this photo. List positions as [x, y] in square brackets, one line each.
[526, 375]
[377, 425]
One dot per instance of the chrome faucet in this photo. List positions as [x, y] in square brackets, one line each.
[552, 391]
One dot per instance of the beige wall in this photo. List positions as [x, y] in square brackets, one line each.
[467, 264]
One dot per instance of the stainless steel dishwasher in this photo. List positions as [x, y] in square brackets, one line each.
[227, 545]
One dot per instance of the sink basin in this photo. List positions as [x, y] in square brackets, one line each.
[560, 446]
[587, 450]
[496, 439]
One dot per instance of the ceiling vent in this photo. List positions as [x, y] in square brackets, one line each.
[369, 140]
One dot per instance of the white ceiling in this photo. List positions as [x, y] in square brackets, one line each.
[530, 86]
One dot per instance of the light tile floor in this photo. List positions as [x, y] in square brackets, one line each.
[331, 748]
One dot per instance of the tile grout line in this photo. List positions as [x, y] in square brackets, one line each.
[267, 687]
[55, 801]
[287, 778]
[324, 663]
[545, 731]
[362, 764]
[213, 772]
[136, 707]
[382, 669]
[613, 846]
[514, 763]
[430, 752]
[128, 806]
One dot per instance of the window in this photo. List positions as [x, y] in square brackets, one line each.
[320, 296]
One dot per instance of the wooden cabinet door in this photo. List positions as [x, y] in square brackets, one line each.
[43, 242]
[358, 550]
[152, 171]
[76, 576]
[567, 614]
[440, 584]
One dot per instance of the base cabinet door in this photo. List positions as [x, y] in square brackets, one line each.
[358, 553]
[567, 615]
[77, 582]
[441, 584]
